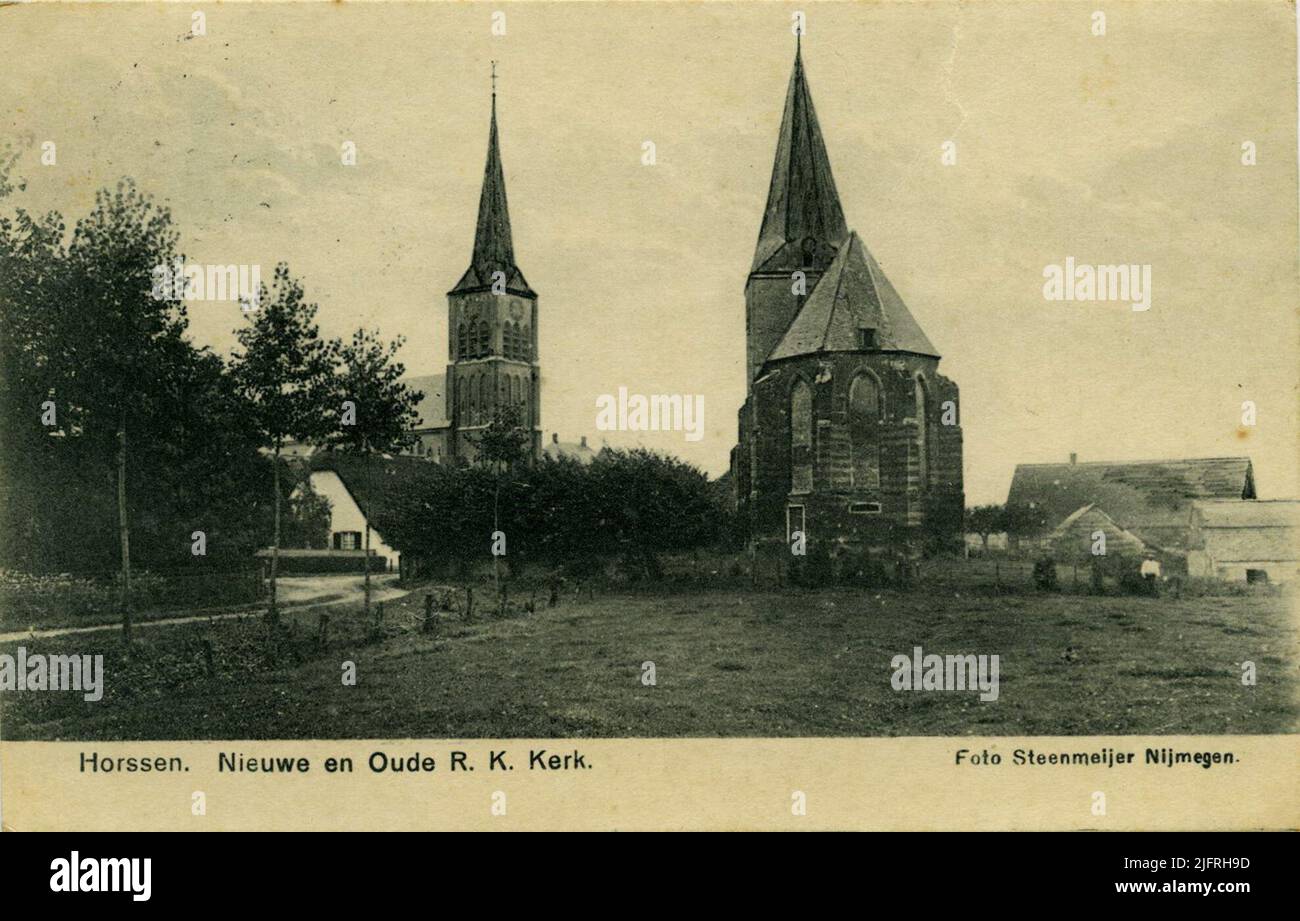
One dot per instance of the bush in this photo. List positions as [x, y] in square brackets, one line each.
[31, 600]
[815, 570]
[632, 507]
[1045, 575]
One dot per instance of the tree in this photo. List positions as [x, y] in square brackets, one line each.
[118, 345]
[503, 445]
[373, 410]
[283, 371]
[985, 520]
[1022, 521]
[307, 524]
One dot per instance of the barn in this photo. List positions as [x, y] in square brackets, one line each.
[1149, 500]
[1249, 541]
[354, 484]
[1074, 538]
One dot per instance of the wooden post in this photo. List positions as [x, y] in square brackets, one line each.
[208, 658]
[124, 530]
[323, 634]
[469, 602]
[428, 614]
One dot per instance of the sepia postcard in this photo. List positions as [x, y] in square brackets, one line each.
[652, 416]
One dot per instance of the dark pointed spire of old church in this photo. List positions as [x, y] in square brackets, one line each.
[803, 219]
[494, 249]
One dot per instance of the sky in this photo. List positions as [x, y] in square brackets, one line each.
[1122, 148]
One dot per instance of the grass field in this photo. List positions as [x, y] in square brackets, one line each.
[728, 662]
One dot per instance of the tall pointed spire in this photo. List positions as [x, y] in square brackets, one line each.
[494, 249]
[802, 203]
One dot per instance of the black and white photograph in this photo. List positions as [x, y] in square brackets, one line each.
[698, 371]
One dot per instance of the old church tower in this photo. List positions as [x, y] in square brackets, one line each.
[492, 325]
[848, 432]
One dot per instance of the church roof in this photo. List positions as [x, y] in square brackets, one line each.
[494, 249]
[854, 294]
[433, 405]
[801, 202]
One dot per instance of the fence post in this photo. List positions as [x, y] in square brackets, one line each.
[469, 602]
[428, 613]
[323, 635]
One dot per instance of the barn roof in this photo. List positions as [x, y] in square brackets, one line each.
[579, 451]
[1073, 536]
[389, 477]
[1149, 498]
[854, 294]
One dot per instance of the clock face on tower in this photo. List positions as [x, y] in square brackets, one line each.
[516, 309]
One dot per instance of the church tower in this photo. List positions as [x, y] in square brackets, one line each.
[849, 437]
[803, 225]
[492, 324]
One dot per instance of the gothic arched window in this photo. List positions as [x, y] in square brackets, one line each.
[462, 341]
[484, 399]
[801, 438]
[865, 410]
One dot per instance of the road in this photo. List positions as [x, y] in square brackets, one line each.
[294, 592]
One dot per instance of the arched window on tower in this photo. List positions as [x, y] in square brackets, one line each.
[865, 411]
[923, 432]
[809, 252]
[801, 438]
[484, 338]
[525, 343]
[462, 341]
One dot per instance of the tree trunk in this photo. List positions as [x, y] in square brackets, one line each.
[124, 529]
[366, 560]
[275, 542]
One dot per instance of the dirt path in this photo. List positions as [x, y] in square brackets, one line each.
[295, 594]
